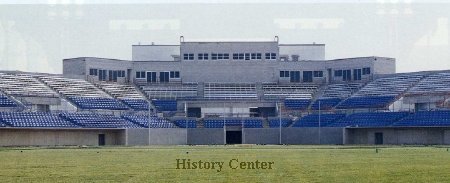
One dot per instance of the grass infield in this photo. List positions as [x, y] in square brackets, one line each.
[290, 164]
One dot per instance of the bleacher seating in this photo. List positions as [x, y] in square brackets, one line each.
[6, 102]
[297, 104]
[433, 84]
[73, 87]
[342, 90]
[389, 86]
[165, 105]
[155, 122]
[275, 122]
[425, 118]
[171, 91]
[367, 102]
[233, 121]
[325, 103]
[281, 92]
[136, 104]
[34, 119]
[312, 120]
[230, 91]
[183, 122]
[97, 103]
[126, 94]
[371, 119]
[90, 120]
[24, 85]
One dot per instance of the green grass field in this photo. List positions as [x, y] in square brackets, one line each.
[290, 164]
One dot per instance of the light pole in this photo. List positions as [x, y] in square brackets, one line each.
[319, 124]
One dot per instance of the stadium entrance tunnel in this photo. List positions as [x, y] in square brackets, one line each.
[234, 137]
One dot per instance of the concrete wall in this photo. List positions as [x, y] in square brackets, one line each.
[167, 136]
[261, 136]
[137, 136]
[304, 51]
[311, 135]
[59, 137]
[205, 136]
[397, 136]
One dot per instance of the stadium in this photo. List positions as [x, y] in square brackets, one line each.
[225, 92]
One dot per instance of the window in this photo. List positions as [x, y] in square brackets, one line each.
[140, 74]
[93, 72]
[226, 56]
[271, 56]
[366, 71]
[284, 74]
[338, 73]
[347, 75]
[308, 76]
[318, 74]
[258, 56]
[253, 56]
[247, 56]
[241, 56]
[202, 56]
[356, 74]
[214, 56]
[295, 76]
[174, 74]
[235, 56]
[164, 77]
[188, 56]
[220, 56]
[151, 77]
[102, 75]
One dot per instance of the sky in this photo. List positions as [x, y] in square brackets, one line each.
[36, 37]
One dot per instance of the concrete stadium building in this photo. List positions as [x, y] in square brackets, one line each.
[230, 92]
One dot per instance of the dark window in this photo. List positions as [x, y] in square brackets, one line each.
[267, 56]
[307, 76]
[253, 56]
[235, 56]
[318, 74]
[284, 74]
[241, 56]
[151, 77]
[347, 75]
[356, 74]
[220, 56]
[140, 74]
[214, 56]
[273, 56]
[114, 78]
[102, 75]
[93, 72]
[295, 76]
[258, 56]
[226, 56]
[164, 77]
[366, 71]
[174, 74]
[247, 56]
[188, 56]
[338, 73]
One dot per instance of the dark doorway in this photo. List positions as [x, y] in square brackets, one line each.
[254, 112]
[195, 112]
[101, 139]
[234, 137]
[378, 138]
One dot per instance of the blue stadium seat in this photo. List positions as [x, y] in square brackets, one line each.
[243, 122]
[191, 122]
[97, 103]
[325, 103]
[90, 120]
[165, 105]
[143, 120]
[426, 118]
[136, 104]
[6, 102]
[275, 122]
[312, 120]
[298, 104]
[370, 119]
[35, 119]
[367, 102]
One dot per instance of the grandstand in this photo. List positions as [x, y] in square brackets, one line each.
[226, 93]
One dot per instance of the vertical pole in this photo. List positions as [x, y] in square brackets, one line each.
[224, 130]
[279, 116]
[149, 120]
[185, 111]
[319, 123]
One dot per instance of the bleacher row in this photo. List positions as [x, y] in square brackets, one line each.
[91, 120]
